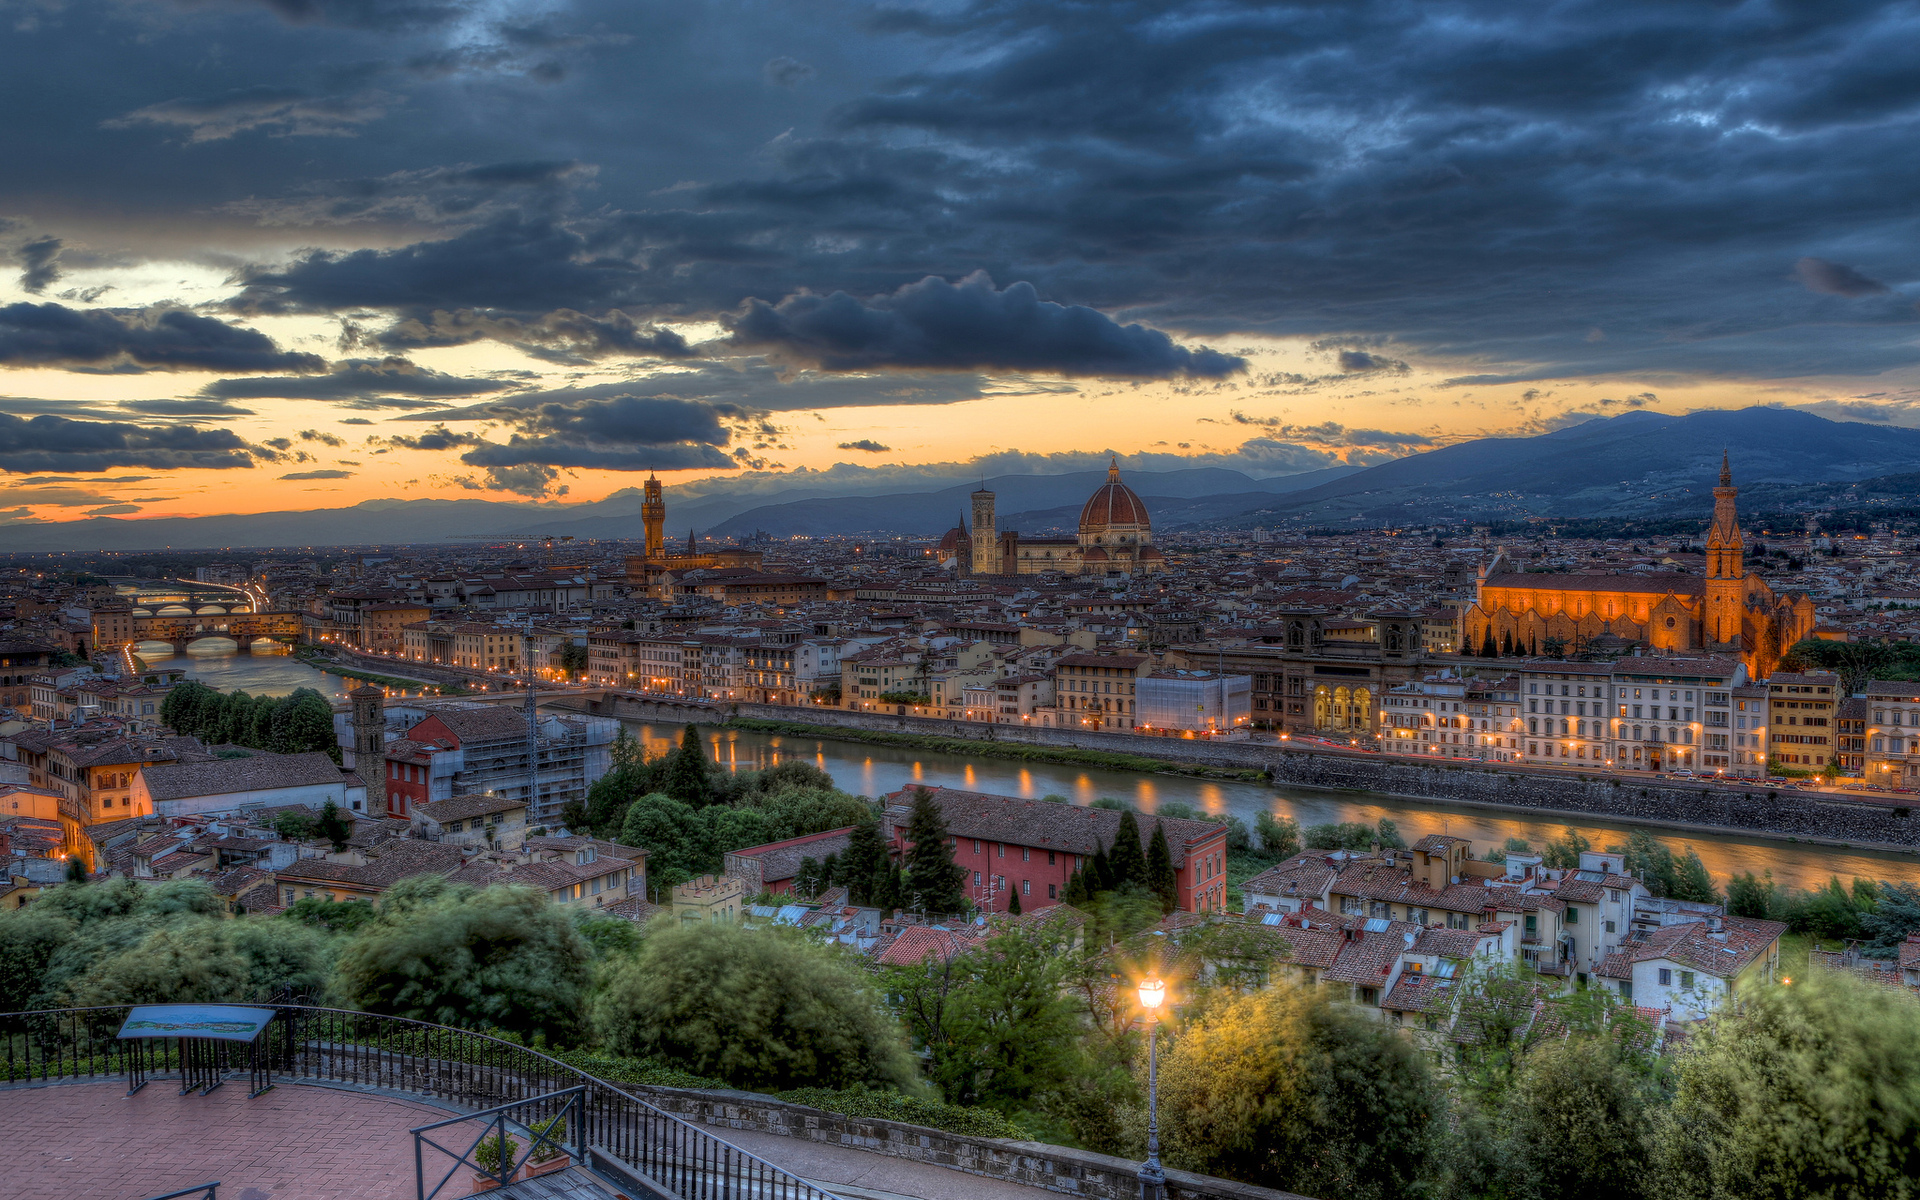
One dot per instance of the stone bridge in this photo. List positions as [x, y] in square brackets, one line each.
[244, 628]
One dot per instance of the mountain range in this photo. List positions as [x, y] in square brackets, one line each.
[1636, 464]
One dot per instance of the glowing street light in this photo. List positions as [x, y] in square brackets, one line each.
[1153, 1178]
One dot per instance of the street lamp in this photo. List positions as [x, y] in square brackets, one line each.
[1153, 1180]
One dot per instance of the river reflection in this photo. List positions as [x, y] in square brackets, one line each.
[220, 663]
[872, 770]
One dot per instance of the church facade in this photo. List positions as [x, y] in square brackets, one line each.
[1115, 538]
[1729, 611]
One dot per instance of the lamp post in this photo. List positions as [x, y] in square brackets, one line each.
[1153, 1180]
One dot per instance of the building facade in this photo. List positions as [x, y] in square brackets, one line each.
[1727, 611]
[1115, 538]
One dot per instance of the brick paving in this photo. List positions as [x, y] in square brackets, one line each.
[293, 1143]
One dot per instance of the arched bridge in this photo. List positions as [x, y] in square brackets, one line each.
[244, 628]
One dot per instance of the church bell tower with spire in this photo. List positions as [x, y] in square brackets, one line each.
[1726, 591]
[653, 515]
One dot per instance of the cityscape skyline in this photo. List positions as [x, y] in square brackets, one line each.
[536, 251]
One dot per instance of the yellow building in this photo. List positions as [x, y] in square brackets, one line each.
[1800, 718]
[709, 901]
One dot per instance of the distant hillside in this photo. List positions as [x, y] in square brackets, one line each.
[1631, 465]
[1021, 502]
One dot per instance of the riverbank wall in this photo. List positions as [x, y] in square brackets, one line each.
[1773, 812]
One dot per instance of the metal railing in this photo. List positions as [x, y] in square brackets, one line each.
[204, 1191]
[535, 1118]
[654, 1152]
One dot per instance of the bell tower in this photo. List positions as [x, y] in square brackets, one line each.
[653, 514]
[986, 546]
[1726, 567]
[369, 725]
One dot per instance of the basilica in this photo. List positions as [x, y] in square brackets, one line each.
[1115, 538]
[1729, 611]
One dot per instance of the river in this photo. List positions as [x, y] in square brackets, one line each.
[872, 770]
[219, 663]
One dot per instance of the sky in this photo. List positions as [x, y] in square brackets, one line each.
[296, 254]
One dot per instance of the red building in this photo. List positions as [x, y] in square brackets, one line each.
[1010, 846]
[772, 867]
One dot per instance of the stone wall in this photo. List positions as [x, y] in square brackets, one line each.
[1035, 1164]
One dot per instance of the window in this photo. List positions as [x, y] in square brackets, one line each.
[1573, 915]
[1053, 891]
[1686, 979]
[1666, 977]
[1026, 887]
[1610, 928]
[1050, 858]
[976, 879]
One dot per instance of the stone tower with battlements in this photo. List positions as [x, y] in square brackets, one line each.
[653, 514]
[368, 721]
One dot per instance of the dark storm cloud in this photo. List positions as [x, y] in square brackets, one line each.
[1836, 279]
[185, 408]
[437, 438]
[42, 335]
[48, 443]
[327, 474]
[37, 260]
[753, 385]
[283, 112]
[866, 444]
[455, 196]
[970, 325]
[1461, 176]
[364, 382]
[621, 433]
[564, 336]
[386, 16]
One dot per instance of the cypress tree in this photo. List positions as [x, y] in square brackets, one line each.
[1127, 860]
[1487, 647]
[933, 879]
[863, 867]
[333, 827]
[1013, 902]
[1076, 892]
[1099, 873]
[806, 880]
[830, 871]
[686, 774]
[1160, 876]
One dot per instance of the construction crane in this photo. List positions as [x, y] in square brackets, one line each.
[548, 538]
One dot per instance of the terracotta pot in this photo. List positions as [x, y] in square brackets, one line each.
[483, 1183]
[558, 1162]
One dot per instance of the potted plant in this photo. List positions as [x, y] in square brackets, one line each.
[494, 1154]
[550, 1155]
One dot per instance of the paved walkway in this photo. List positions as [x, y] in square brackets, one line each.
[293, 1143]
[856, 1172]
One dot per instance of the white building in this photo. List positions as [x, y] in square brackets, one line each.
[1193, 702]
[259, 780]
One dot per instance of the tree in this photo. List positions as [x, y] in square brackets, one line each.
[686, 774]
[294, 823]
[762, 1009]
[1341, 835]
[797, 812]
[1279, 836]
[863, 866]
[806, 878]
[76, 870]
[502, 958]
[1160, 879]
[329, 915]
[1126, 858]
[1013, 903]
[1752, 896]
[829, 870]
[933, 879]
[1388, 835]
[303, 722]
[1284, 1088]
[1563, 853]
[670, 834]
[1811, 1090]
[1692, 880]
[1895, 916]
[29, 938]
[996, 1023]
[1580, 1119]
[333, 827]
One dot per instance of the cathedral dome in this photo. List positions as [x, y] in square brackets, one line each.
[1114, 507]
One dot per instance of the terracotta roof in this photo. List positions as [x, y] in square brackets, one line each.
[459, 808]
[1651, 584]
[1051, 824]
[222, 776]
[917, 943]
[400, 859]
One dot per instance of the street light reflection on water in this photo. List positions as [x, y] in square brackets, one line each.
[871, 770]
